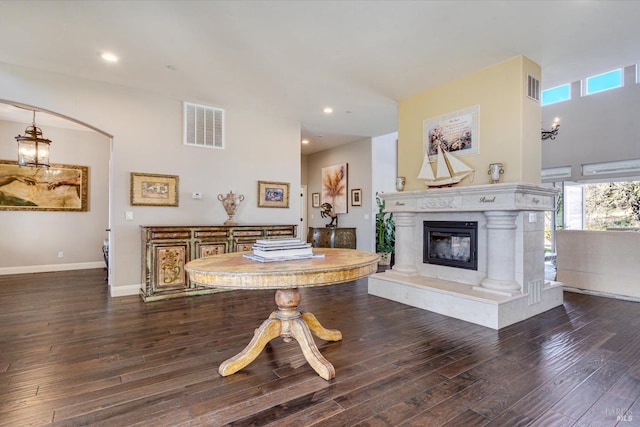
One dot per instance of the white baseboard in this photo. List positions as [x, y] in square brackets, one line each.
[124, 291]
[51, 267]
[601, 294]
[114, 291]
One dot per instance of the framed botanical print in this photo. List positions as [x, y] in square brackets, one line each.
[334, 187]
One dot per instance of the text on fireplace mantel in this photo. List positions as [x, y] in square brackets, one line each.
[487, 199]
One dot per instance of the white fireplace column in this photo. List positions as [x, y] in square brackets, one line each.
[405, 226]
[501, 245]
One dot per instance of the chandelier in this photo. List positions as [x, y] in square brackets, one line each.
[33, 148]
[551, 134]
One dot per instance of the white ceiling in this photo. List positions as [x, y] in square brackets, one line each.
[292, 58]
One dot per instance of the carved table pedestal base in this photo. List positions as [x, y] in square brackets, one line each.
[287, 322]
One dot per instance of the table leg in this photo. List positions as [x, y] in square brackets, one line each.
[287, 322]
[320, 331]
[300, 331]
[269, 330]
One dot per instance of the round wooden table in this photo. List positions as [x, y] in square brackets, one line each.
[233, 271]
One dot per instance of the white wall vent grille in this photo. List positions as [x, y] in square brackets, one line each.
[535, 292]
[203, 126]
[533, 88]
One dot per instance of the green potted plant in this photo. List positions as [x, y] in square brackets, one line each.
[385, 233]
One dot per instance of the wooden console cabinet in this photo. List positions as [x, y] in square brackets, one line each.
[166, 249]
[329, 237]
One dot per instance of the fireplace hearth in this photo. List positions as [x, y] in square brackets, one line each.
[451, 243]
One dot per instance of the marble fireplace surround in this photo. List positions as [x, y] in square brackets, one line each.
[508, 285]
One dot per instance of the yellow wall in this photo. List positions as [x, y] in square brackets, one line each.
[509, 123]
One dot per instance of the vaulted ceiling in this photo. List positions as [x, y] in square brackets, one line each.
[293, 58]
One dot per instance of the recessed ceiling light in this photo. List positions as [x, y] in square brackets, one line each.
[305, 141]
[327, 110]
[109, 57]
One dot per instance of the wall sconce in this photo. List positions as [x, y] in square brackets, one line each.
[551, 134]
[33, 148]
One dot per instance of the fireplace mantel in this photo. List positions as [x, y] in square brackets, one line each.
[479, 198]
[510, 219]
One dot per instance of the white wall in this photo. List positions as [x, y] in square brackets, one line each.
[602, 262]
[385, 163]
[384, 171]
[147, 137]
[31, 240]
[358, 157]
[596, 128]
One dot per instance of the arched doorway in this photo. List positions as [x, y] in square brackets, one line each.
[40, 240]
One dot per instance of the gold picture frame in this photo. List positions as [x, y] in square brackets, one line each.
[315, 200]
[273, 194]
[57, 188]
[149, 189]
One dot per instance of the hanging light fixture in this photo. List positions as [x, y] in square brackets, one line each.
[551, 134]
[33, 149]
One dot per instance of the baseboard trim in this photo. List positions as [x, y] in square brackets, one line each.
[124, 291]
[4, 271]
[601, 294]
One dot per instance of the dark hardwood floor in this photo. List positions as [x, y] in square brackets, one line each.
[70, 355]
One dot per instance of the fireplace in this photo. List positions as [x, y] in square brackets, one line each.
[502, 280]
[451, 243]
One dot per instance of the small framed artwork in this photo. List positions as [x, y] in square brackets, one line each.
[153, 190]
[273, 194]
[356, 197]
[315, 200]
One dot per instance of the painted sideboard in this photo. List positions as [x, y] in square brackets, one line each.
[166, 249]
[332, 237]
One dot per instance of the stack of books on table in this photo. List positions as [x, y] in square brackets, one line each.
[281, 250]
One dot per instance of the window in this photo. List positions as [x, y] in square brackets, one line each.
[612, 205]
[601, 205]
[556, 94]
[602, 82]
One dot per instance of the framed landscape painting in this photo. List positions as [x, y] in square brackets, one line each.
[57, 188]
[153, 189]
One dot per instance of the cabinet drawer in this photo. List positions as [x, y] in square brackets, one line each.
[203, 234]
[163, 235]
[204, 249]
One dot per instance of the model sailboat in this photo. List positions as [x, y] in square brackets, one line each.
[449, 170]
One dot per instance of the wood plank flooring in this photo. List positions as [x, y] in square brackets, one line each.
[72, 356]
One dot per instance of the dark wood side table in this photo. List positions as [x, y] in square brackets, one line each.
[332, 237]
